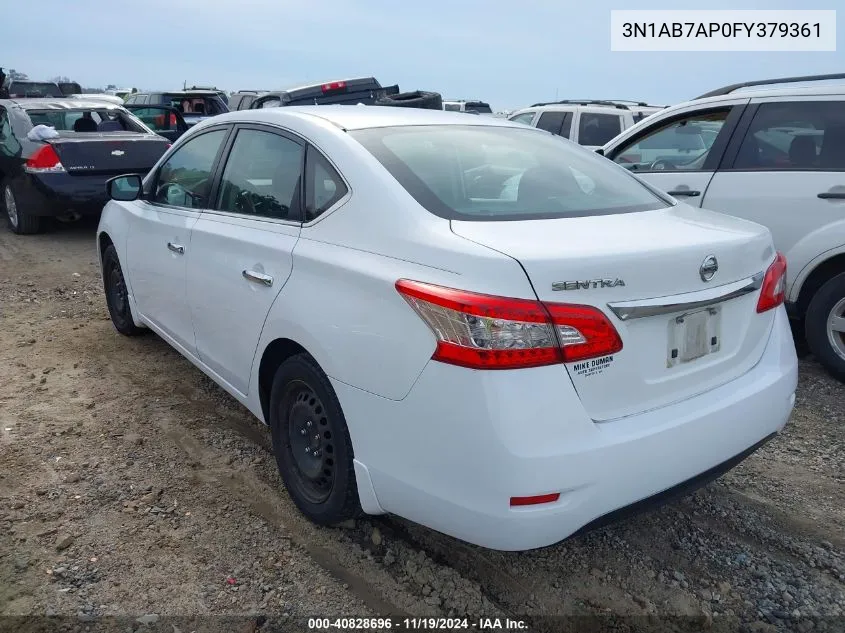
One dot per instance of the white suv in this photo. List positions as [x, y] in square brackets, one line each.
[588, 122]
[774, 156]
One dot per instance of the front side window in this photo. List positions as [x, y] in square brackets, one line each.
[262, 176]
[185, 179]
[681, 145]
[323, 185]
[795, 135]
[525, 117]
[503, 173]
[596, 129]
[452, 107]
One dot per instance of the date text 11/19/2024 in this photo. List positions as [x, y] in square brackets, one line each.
[416, 624]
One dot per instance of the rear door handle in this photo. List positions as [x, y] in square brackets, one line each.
[832, 195]
[176, 248]
[260, 278]
[684, 192]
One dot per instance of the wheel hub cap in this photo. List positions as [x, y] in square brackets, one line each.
[311, 442]
[836, 328]
[11, 206]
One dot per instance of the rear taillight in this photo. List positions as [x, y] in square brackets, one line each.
[334, 85]
[44, 160]
[172, 120]
[488, 332]
[774, 285]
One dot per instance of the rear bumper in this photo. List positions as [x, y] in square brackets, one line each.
[56, 194]
[453, 452]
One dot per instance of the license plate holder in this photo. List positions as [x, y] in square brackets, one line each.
[694, 335]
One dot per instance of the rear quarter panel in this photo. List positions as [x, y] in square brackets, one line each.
[341, 303]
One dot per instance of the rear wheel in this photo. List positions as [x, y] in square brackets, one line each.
[825, 326]
[19, 219]
[311, 442]
[117, 295]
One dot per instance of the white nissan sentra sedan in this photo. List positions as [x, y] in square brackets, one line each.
[463, 321]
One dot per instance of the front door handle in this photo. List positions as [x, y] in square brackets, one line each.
[684, 192]
[176, 248]
[260, 278]
[832, 195]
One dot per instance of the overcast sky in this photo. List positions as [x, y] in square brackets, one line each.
[508, 53]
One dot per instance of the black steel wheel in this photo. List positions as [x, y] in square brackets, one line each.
[117, 295]
[311, 442]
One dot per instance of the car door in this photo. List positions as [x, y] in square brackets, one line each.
[242, 248]
[158, 244]
[163, 120]
[679, 153]
[785, 169]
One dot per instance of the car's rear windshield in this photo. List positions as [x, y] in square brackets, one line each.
[195, 105]
[478, 106]
[87, 120]
[34, 89]
[502, 173]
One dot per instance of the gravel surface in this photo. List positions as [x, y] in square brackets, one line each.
[133, 486]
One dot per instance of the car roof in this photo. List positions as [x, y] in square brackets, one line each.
[198, 91]
[355, 117]
[55, 103]
[766, 93]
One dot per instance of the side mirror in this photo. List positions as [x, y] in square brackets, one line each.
[600, 151]
[124, 188]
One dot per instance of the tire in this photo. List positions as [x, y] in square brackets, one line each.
[19, 220]
[311, 442]
[827, 344]
[416, 99]
[117, 295]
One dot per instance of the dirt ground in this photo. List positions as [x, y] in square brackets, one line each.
[133, 487]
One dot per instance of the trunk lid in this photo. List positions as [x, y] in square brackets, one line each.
[89, 154]
[625, 265]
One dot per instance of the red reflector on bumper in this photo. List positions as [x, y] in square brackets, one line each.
[535, 500]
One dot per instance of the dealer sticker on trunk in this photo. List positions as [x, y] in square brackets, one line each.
[591, 367]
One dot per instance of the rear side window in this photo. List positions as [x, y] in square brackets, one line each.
[556, 123]
[323, 185]
[597, 129]
[262, 176]
[503, 173]
[795, 135]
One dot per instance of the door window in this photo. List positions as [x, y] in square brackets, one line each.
[262, 176]
[795, 135]
[185, 179]
[556, 123]
[324, 186]
[595, 128]
[682, 145]
[525, 117]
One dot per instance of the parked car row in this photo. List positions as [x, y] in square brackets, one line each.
[404, 277]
